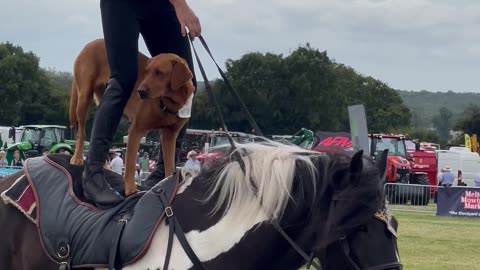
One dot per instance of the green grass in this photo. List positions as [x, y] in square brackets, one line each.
[428, 242]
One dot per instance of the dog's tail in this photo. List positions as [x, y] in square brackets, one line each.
[73, 104]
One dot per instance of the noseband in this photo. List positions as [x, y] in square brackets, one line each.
[346, 252]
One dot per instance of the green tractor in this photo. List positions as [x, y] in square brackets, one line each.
[36, 138]
[304, 138]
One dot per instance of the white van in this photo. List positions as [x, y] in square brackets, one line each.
[460, 159]
[4, 131]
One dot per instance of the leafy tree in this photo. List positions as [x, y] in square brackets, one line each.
[443, 122]
[303, 89]
[28, 94]
[469, 121]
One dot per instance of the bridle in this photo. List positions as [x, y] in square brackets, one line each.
[309, 258]
[383, 216]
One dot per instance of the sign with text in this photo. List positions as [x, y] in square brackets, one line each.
[333, 142]
[460, 202]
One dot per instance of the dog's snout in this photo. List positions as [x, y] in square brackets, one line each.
[142, 92]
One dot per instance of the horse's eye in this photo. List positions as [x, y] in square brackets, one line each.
[157, 72]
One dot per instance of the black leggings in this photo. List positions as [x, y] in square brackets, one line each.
[124, 20]
[156, 20]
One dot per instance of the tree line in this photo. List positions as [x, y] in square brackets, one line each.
[283, 93]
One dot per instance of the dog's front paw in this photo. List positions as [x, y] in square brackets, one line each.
[77, 161]
[130, 189]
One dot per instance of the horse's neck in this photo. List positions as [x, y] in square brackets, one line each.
[219, 242]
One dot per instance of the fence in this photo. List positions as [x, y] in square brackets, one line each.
[411, 197]
[419, 198]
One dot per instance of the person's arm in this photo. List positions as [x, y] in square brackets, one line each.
[187, 18]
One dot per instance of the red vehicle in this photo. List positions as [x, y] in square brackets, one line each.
[423, 159]
[399, 170]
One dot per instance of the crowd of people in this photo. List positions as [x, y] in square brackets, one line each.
[144, 164]
[17, 161]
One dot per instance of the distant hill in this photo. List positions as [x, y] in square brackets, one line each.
[424, 105]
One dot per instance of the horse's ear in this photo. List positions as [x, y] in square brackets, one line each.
[381, 163]
[356, 164]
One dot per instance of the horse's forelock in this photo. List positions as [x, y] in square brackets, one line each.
[272, 170]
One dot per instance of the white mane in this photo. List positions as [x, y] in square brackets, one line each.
[271, 168]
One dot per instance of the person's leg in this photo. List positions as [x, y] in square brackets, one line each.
[161, 31]
[121, 32]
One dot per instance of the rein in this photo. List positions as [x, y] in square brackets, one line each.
[236, 154]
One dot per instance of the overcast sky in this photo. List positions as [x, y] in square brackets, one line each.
[409, 44]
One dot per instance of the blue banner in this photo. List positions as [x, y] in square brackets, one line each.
[458, 202]
[4, 171]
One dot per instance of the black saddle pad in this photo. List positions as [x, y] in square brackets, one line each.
[63, 218]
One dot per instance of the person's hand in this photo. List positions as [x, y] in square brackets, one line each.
[187, 18]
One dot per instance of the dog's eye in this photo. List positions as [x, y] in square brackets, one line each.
[158, 72]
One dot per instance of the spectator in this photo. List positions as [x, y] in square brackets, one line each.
[3, 159]
[144, 162]
[477, 180]
[439, 176]
[192, 162]
[16, 161]
[446, 178]
[116, 162]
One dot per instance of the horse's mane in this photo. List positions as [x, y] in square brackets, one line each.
[266, 187]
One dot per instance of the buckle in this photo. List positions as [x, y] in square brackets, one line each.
[169, 211]
[63, 250]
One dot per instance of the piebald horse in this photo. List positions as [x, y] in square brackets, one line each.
[331, 206]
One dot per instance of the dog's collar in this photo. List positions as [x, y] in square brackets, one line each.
[164, 107]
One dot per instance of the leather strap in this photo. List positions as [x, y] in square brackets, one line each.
[211, 96]
[114, 262]
[214, 101]
[171, 232]
[299, 250]
[175, 228]
[231, 89]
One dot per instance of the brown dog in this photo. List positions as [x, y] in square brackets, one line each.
[164, 86]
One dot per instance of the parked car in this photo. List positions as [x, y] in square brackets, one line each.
[204, 141]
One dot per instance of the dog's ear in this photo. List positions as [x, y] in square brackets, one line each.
[181, 74]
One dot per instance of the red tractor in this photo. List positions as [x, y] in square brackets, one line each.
[399, 170]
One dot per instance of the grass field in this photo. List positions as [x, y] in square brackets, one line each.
[428, 242]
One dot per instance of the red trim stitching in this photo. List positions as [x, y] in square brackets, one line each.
[38, 213]
[70, 185]
[149, 241]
